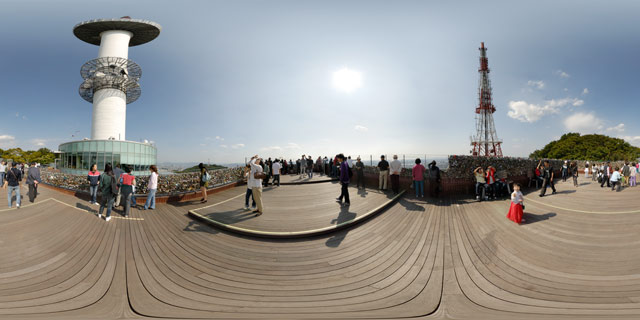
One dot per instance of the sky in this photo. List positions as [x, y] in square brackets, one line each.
[229, 79]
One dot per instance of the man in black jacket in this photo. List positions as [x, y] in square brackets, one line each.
[547, 175]
[33, 178]
[12, 182]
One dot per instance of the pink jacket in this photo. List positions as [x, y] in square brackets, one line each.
[418, 172]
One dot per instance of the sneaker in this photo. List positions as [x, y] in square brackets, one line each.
[144, 208]
[246, 207]
[17, 206]
[100, 215]
[107, 219]
[541, 195]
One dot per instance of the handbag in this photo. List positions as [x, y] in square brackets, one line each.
[260, 175]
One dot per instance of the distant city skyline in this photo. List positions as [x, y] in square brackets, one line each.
[229, 79]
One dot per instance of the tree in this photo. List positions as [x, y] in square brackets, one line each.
[588, 147]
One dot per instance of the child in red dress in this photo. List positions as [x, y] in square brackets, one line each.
[517, 199]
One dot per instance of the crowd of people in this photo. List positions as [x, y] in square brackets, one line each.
[12, 175]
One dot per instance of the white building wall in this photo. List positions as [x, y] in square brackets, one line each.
[110, 105]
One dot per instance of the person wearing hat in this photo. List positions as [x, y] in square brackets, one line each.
[396, 167]
[383, 167]
[359, 173]
[434, 179]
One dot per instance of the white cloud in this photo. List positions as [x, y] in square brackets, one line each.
[219, 138]
[583, 123]
[562, 74]
[585, 91]
[565, 90]
[7, 140]
[39, 142]
[529, 112]
[619, 128]
[224, 146]
[237, 146]
[538, 84]
[360, 128]
[292, 145]
[271, 148]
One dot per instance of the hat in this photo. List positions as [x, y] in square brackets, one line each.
[433, 162]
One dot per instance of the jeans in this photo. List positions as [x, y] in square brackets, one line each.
[478, 191]
[246, 198]
[93, 190]
[127, 203]
[419, 186]
[310, 172]
[545, 184]
[344, 192]
[276, 177]
[151, 199]
[107, 201]
[1, 178]
[10, 191]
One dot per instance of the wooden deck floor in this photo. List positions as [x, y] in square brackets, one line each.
[575, 258]
[293, 210]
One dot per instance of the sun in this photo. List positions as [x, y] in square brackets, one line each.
[347, 80]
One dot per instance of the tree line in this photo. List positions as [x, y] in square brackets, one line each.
[594, 147]
[42, 155]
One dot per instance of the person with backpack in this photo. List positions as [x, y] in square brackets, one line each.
[204, 181]
[108, 190]
[94, 179]
[12, 183]
[127, 180]
[345, 178]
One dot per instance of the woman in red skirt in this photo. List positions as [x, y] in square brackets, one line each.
[515, 211]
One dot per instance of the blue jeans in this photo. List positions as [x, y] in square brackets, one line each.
[246, 198]
[1, 178]
[10, 190]
[419, 186]
[107, 201]
[151, 199]
[93, 190]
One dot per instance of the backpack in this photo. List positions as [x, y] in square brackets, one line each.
[206, 176]
[114, 186]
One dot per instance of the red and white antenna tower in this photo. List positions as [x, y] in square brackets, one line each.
[485, 143]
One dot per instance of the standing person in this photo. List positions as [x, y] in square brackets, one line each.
[117, 172]
[626, 172]
[108, 189]
[481, 182]
[344, 181]
[517, 205]
[127, 180]
[152, 187]
[632, 175]
[434, 179]
[325, 167]
[319, 165]
[606, 173]
[547, 176]
[310, 167]
[615, 179]
[565, 171]
[255, 180]
[574, 172]
[360, 173]
[12, 182]
[3, 170]
[594, 170]
[204, 181]
[303, 166]
[418, 178]
[395, 168]
[94, 179]
[247, 172]
[33, 179]
[275, 168]
[383, 167]
[491, 180]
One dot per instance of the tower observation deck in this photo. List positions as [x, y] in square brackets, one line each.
[111, 80]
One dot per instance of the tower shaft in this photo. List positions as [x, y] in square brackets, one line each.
[485, 143]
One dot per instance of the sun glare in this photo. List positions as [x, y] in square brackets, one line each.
[347, 80]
